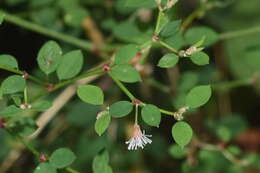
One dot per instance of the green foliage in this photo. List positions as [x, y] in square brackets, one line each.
[45, 168]
[49, 57]
[177, 152]
[151, 115]
[13, 84]
[62, 158]
[198, 96]
[125, 73]
[23, 126]
[8, 61]
[10, 111]
[200, 58]
[168, 60]
[182, 133]
[91, 94]
[102, 123]
[125, 54]
[120, 109]
[140, 4]
[42, 105]
[100, 163]
[197, 33]
[75, 16]
[2, 15]
[70, 65]
[170, 29]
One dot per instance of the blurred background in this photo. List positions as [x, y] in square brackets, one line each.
[230, 120]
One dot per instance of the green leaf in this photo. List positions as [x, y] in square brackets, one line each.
[13, 84]
[62, 158]
[45, 168]
[102, 123]
[75, 16]
[8, 61]
[151, 115]
[195, 34]
[168, 60]
[182, 133]
[49, 57]
[42, 105]
[2, 15]
[125, 54]
[140, 4]
[24, 126]
[126, 73]
[170, 29]
[91, 94]
[198, 96]
[120, 109]
[70, 65]
[10, 111]
[100, 163]
[200, 58]
[177, 152]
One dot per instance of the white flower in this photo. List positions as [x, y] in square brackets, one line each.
[138, 139]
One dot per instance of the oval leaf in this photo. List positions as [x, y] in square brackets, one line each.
[198, 96]
[45, 168]
[170, 29]
[168, 60]
[10, 111]
[200, 58]
[151, 115]
[125, 73]
[195, 34]
[125, 54]
[91, 94]
[182, 133]
[8, 61]
[120, 109]
[62, 158]
[13, 84]
[49, 57]
[70, 65]
[102, 123]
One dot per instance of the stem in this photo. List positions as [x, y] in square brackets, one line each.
[132, 97]
[71, 170]
[136, 114]
[122, 87]
[25, 96]
[156, 32]
[47, 32]
[84, 75]
[239, 33]
[16, 71]
[232, 84]
[168, 47]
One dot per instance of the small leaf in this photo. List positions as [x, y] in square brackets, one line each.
[8, 61]
[102, 123]
[200, 58]
[170, 29]
[62, 158]
[70, 65]
[13, 84]
[182, 133]
[195, 34]
[125, 54]
[100, 163]
[49, 57]
[198, 96]
[75, 16]
[151, 115]
[125, 73]
[45, 168]
[24, 126]
[42, 105]
[2, 16]
[120, 109]
[10, 111]
[177, 152]
[168, 60]
[140, 4]
[91, 94]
